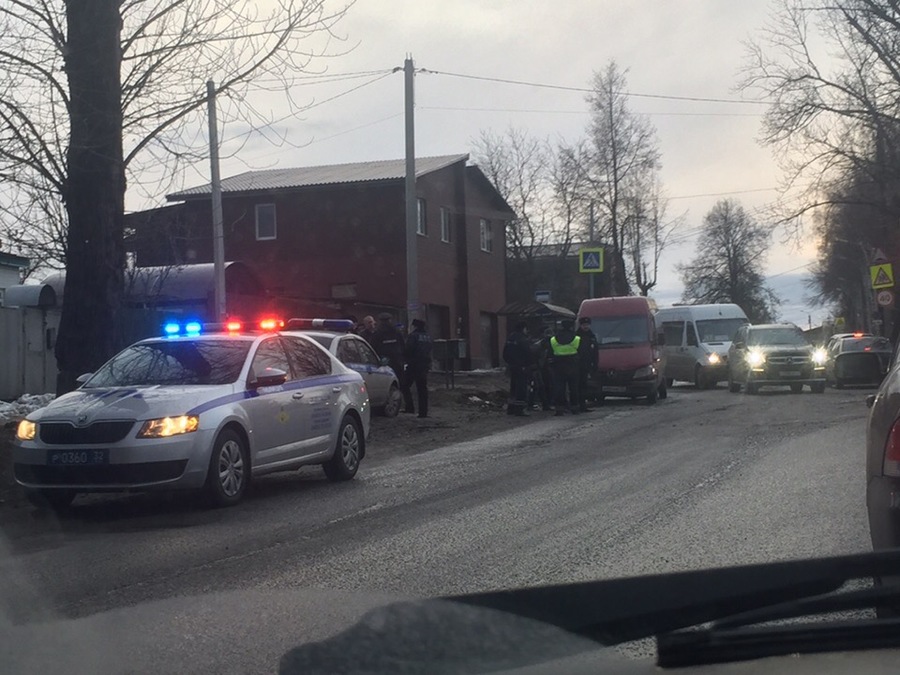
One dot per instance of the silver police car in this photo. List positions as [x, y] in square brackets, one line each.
[197, 410]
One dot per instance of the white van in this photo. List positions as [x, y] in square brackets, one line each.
[697, 341]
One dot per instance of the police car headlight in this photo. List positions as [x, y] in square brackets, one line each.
[26, 430]
[714, 359]
[169, 426]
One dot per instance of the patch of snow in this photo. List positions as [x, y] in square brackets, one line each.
[475, 399]
[23, 405]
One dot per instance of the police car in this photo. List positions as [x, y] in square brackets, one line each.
[204, 408]
[355, 353]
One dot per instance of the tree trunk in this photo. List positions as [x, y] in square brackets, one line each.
[95, 191]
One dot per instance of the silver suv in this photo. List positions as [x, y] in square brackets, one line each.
[774, 354]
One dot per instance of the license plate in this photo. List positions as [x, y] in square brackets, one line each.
[615, 390]
[790, 373]
[77, 457]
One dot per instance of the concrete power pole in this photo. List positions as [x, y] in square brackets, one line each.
[216, 190]
[412, 263]
[591, 291]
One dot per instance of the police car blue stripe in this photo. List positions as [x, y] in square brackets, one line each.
[287, 386]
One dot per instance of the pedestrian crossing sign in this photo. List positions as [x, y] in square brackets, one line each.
[882, 275]
[590, 260]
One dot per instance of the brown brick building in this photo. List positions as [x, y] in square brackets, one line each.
[330, 241]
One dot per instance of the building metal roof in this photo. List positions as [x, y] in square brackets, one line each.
[307, 176]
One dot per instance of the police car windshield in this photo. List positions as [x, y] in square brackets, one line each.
[612, 331]
[777, 336]
[718, 330]
[175, 362]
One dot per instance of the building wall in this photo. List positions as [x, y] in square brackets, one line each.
[346, 245]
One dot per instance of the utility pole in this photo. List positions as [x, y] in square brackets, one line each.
[412, 263]
[591, 243]
[216, 190]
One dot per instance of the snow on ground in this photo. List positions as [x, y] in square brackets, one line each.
[26, 403]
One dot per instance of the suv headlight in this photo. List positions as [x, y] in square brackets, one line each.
[755, 358]
[819, 356]
[645, 372]
[26, 430]
[169, 426]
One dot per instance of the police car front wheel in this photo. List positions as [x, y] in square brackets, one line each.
[229, 469]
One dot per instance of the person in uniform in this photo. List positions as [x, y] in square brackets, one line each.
[517, 354]
[418, 362]
[388, 344]
[587, 359]
[564, 366]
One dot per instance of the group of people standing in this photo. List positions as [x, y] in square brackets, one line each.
[408, 355]
[553, 368]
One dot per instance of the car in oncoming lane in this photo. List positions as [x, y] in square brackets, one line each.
[382, 382]
[197, 410]
[774, 354]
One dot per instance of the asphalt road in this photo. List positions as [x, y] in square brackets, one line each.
[705, 478]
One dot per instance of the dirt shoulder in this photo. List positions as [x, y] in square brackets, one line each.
[473, 407]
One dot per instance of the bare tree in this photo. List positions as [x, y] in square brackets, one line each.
[90, 90]
[829, 123]
[645, 232]
[731, 252]
[623, 152]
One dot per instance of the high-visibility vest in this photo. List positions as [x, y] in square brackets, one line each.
[570, 349]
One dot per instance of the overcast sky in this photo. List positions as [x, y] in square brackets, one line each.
[684, 48]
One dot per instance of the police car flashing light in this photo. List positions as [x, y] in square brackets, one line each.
[337, 325]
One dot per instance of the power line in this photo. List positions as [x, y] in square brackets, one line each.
[351, 130]
[725, 194]
[559, 87]
[584, 112]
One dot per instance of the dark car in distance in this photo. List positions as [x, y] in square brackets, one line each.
[857, 359]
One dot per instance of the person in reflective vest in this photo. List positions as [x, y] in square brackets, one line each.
[565, 366]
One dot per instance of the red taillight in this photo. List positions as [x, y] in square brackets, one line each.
[233, 326]
[271, 324]
[857, 335]
[867, 349]
[892, 451]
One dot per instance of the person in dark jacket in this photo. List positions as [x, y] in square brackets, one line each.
[418, 362]
[540, 379]
[517, 354]
[587, 359]
[564, 366]
[368, 329]
[388, 344]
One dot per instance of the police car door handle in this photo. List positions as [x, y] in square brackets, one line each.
[336, 390]
[297, 395]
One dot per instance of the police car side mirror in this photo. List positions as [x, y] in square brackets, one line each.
[84, 377]
[270, 377]
[384, 361]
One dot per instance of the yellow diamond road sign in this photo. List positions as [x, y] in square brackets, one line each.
[590, 260]
[882, 275]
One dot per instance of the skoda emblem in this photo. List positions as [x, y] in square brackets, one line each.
[81, 419]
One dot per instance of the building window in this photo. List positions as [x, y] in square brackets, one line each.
[265, 221]
[420, 220]
[445, 224]
[487, 236]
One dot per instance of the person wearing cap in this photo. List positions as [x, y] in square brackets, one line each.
[564, 363]
[388, 344]
[418, 362]
[517, 354]
[587, 359]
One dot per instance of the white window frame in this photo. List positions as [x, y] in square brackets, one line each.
[421, 221]
[487, 235]
[445, 225]
[274, 222]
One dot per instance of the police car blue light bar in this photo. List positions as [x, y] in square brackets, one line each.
[342, 325]
[174, 328]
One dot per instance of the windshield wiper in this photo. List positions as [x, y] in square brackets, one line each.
[738, 637]
[621, 610]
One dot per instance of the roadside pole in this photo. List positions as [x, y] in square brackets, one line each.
[217, 220]
[412, 266]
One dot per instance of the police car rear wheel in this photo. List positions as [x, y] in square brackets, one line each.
[229, 469]
[347, 452]
[394, 401]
